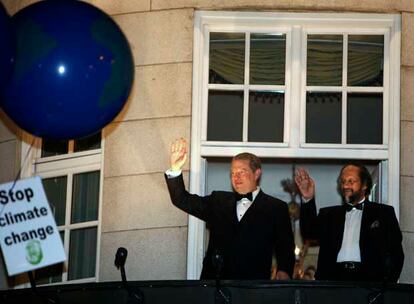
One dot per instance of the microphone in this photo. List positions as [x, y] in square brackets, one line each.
[218, 263]
[120, 259]
[135, 296]
[222, 295]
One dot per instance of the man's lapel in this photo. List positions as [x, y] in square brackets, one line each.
[233, 214]
[340, 219]
[367, 217]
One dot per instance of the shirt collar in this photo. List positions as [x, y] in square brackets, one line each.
[351, 207]
[255, 193]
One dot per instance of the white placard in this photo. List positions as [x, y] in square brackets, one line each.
[29, 236]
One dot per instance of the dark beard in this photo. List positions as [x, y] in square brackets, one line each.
[354, 198]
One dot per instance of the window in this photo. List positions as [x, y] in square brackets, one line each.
[294, 88]
[71, 176]
[246, 79]
[344, 89]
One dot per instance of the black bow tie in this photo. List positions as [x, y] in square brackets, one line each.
[349, 206]
[239, 196]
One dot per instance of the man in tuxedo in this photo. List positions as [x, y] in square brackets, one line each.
[359, 240]
[246, 226]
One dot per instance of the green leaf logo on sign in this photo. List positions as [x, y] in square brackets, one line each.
[34, 254]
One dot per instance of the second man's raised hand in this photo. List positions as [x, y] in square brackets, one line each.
[305, 184]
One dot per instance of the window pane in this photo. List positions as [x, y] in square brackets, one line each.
[323, 117]
[364, 118]
[267, 59]
[227, 58]
[85, 197]
[55, 189]
[50, 274]
[365, 60]
[88, 143]
[82, 253]
[225, 116]
[324, 60]
[266, 116]
[54, 147]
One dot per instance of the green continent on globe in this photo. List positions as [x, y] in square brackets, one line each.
[105, 33]
[32, 46]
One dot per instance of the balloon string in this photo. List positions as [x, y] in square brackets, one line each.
[20, 171]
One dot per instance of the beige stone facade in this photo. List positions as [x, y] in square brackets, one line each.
[159, 109]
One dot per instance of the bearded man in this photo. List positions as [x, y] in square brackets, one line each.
[359, 240]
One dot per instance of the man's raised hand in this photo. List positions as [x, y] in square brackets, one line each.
[178, 154]
[305, 184]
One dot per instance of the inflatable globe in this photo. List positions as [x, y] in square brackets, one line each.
[73, 70]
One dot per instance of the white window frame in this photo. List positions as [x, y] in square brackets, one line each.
[344, 89]
[295, 25]
[66, 164]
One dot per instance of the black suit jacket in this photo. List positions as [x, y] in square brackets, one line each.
[380, 240]
[246, 246]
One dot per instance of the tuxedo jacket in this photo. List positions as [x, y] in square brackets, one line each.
[246, 246]
[380, 240]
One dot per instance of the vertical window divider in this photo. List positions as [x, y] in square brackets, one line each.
[69, 191]
[300, 97]
[204, 89]
[297, 87]
[386, 85]
[246, 88]
[288, 88]
[100, 203]
[344, 88]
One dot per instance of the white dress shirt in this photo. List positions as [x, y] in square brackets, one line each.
[350, 251]
[244, 204]
[171, 174]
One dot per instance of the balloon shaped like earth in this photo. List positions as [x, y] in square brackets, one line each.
[73, 70]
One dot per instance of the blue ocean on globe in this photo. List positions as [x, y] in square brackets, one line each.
[73, 70]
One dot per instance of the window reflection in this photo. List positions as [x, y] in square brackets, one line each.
[85, 197]
[88, 143]
[55, 188]
[266, 116]
[323, 117]
[267, 59]
[365, 60]
[227, 58]
[54, 147]
[364, 109]
[82, 253]
[225, 116]
[324, 60]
